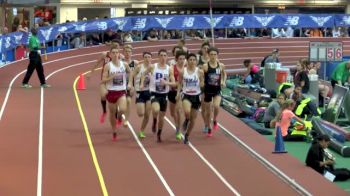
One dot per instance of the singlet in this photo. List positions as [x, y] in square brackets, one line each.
[212, 79]
[191, 84]
[157, 75]
[146, 81]
[176, 76]
[132, 67]
[200, 62]
[118, 83]
[106, 60]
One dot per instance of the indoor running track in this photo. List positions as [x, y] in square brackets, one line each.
[53, 144]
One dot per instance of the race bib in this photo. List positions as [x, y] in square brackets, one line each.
[118, 80]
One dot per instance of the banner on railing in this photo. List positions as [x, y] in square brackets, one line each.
[174, 22]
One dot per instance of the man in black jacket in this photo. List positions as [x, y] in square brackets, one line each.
[317, 160]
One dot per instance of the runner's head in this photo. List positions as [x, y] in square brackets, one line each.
[163, 56]
[191, 60]
[147, 58]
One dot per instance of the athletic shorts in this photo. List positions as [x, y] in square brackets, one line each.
[194, 100]
[143, 96]
[161, 99]
[208, 96]
[172, 96]
[113, 96]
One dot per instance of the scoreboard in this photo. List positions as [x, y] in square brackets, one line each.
[326, 51]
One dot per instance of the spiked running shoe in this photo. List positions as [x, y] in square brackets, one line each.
[114, 137]
[103, 117]
[142, 134]
[178, 135]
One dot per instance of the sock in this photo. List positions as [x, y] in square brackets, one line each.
[209, 130]
[159, 132]
[104, 106]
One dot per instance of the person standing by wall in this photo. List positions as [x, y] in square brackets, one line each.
[34, 62]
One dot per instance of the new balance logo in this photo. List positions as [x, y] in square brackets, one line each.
[140, 23]
[292, 21]
[188, 22]
[164, 21]
[237, 21]
[265, 20]
[320, 20]
[214, 21]
[102, 26]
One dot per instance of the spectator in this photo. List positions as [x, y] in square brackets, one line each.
[341, 74]
[320, 161]
[128, 37]
[301, 77]
[152, 35]
[275, 33]
[285, 119]
[108, 36]
[289, 32]
[336, 32]
[272, 110]
[271, 58]
[251, 75]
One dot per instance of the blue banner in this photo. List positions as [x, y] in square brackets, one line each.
[179, 22]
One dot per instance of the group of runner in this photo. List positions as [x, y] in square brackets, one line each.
[190, 82]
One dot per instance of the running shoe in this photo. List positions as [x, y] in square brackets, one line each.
[45, 86]
[209, 134]
[114, 138]
[142, 134]
[178, 135]
[103, 117]
[119, 122]
[215, 125]
[26, 86]
[205, 130]
[186, 139]
[125, 124]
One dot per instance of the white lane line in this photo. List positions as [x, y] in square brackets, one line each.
[41, 132]
[39, 185]
[151, 162]
[268, 164]
[217, 173]
[40, 146]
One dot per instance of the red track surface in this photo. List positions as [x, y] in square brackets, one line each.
[67, 162]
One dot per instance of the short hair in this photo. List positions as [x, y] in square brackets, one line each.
[191, 55]
[205, 44]
[114, 47]
[182, 41]
[213, 49]
[144, 53]
[128, 46]
[175, 47]
[324, 137]
[246, 62]
[180, 53]
[162, 50]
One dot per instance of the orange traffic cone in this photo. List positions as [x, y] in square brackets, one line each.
[81, 83]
